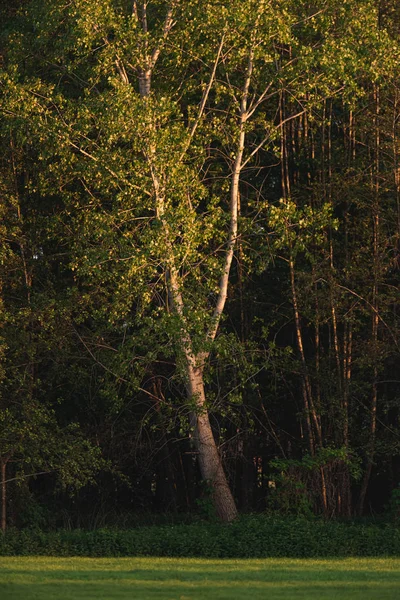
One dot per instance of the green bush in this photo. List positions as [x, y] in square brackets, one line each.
[249, 537]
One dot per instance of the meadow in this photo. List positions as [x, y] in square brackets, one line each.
[44, 578]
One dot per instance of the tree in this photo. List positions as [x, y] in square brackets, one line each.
[180, 235]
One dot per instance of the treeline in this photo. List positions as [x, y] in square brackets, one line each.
[200, 259]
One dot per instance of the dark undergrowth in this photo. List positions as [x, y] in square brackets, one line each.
[248, 537]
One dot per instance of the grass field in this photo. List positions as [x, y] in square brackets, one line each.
[30, 578]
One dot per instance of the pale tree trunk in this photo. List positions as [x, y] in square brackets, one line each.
[210, 462]
[347, 364]
[308, 399]
[347, 342]
[396, 167]
[342, 354]
[372, 426]
[209, 458]
[145, 83]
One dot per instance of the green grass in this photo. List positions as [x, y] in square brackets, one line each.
[42, 578]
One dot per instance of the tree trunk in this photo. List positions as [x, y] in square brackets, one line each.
[145, 83]
[375, 306]
[3, 468]
[209, 459]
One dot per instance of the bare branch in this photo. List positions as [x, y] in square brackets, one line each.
[118, 377]
[263, 141]
[110, 171]
[204, 99]
[374, 310]
[20, 477]
[261, 98]
[121, 70]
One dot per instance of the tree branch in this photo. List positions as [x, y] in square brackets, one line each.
[204, 99]
[237, 167]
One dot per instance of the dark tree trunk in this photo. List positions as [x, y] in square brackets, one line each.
[3, 468]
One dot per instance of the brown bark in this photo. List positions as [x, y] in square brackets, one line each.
[299, 336]
[3, 469]
[375, 316]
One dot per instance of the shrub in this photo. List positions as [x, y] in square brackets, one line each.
[248, 537]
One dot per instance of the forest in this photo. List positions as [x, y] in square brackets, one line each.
[199, 260]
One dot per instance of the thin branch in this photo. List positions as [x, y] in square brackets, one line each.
[20, 477]
[110, 171]
[261, 144]
[374, 310]
[254, 105]
[118, 377]
[204, 99]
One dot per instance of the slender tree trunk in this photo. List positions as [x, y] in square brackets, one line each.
[345, 508]
[374, 403]
[372, 432]
[240, 281]
[375, 306]
[396, 166]
[300, 345]
[209, 458]
[348, 347]
[3, 469]
[317, 344]
[307, 390]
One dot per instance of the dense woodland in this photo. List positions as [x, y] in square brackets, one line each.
[200, 259]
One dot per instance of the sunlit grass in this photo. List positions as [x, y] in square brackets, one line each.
[42, 578]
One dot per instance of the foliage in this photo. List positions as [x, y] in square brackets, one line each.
[250, 537]
[264, 151]
[295, 489]
[34, 441]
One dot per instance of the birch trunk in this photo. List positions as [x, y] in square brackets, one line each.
[209, 458]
